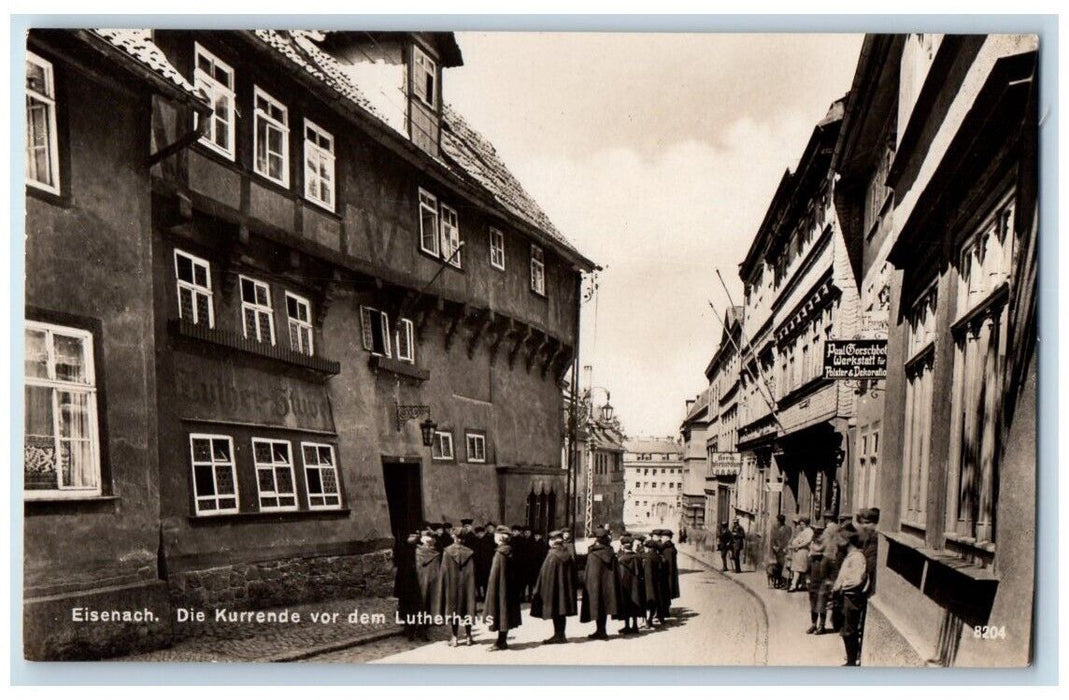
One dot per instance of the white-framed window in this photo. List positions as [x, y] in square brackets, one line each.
[194, 279]
[271, 137]
[428, 223]
[61, 452]
[375, 327]
[215, 484]
[257, 316]
[538, 270]
[216, 79]
[318, 165]
[442, 446]
[424, 77]
[299, 313]
[42, 148]
[404, 341]
[497, 249]
[321, 476]
[476, 445]
[450, 236]
[274, 474]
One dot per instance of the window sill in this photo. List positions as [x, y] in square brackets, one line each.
[58, 199]
[235, 341]
[50, 505]
[943, 557]
[270, 516]
[379, 363]
[321, 208]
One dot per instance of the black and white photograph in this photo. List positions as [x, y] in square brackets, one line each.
[517, 348]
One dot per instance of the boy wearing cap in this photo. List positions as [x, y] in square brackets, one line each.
[653, 573]
[819, 585]
[632, 603]
[503, 590]
[851, 586]
[553, 597]
[456, 588]
[669, 554]
[428, 566]
[599, 584]
[406, 581]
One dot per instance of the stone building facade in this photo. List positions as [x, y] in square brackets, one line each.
[320, 271]
[653, 482]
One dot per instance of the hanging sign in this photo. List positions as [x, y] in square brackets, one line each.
[855, 359]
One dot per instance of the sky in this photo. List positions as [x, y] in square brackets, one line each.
[656, 155]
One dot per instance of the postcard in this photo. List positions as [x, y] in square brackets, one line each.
[505, 348]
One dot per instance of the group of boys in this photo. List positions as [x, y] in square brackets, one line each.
[841, 576]
[439, 574]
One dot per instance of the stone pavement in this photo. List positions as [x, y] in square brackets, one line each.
[788, 619]
[230, 641]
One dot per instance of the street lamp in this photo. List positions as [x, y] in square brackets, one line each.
[426, 429]
[606, 411]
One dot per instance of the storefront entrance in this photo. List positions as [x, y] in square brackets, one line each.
[404, 495]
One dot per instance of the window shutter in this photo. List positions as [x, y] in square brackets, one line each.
[365, 326]
[385, 332]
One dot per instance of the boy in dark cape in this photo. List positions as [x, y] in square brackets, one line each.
[456, 588]
[599, 584]
[405, 581]
[554, 590]
[632, 601]
[655, 581]
[482, 543]
[428, 567]
[503, 590]
[668, 553]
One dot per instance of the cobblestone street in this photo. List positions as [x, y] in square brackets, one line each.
[716, 622]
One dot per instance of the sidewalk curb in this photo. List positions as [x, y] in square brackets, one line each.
[328, 647]
[762, 639]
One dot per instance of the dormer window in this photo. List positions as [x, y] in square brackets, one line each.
[424, 77]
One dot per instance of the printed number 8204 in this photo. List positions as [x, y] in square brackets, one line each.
[989, 631]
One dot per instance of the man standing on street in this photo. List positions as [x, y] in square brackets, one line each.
[456, 587]
[738, 541]
[851, 584]
[503, 591]
[632, 603]
[781, 538]
[599, 584]
[723, 544]
[554, 591]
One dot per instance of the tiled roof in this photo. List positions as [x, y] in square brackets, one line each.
[479, 161]
[467, 152]
[654, 446]
[300, 48]
[138, 44]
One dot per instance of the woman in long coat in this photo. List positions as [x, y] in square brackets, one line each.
[599, 584]
[503, 590]
[800, 552]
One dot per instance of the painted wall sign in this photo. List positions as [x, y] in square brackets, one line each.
[219, 390]
[855, 359]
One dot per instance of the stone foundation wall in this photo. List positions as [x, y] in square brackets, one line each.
[276, 583]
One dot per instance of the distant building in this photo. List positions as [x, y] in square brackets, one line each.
[695, 460]
[800, 293]
[653, 476]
